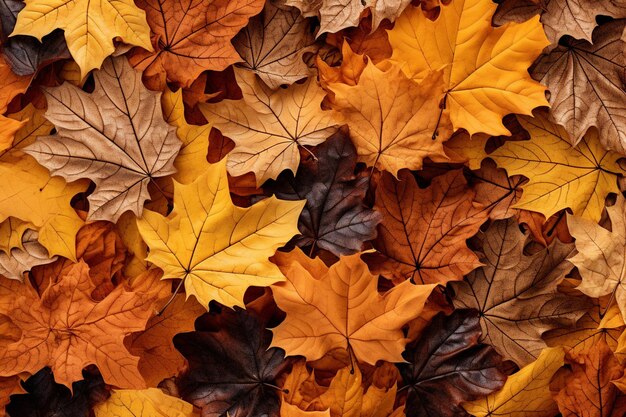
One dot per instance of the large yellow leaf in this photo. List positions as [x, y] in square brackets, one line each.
[526, 393]
[485, 68]
[219, 250]
[29, 193]
[89, 25]
[340, 307]
[151, 402]
[268, 126]
[393, 120]
[560, 176]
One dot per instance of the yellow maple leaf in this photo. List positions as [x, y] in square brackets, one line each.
[525, 393]
[560, 176]
[268, 126]
[340, 307]
[218, 249]
[89, 26]
[485, 68]
[151, 402]
[393, 120]
[30, 194]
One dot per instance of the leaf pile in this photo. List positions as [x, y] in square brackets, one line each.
[329, 208]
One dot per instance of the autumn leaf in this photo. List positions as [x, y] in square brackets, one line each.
[44, 200]
[560, 176]
[586, 84]
[423, 231]
[335, 217]
[485, 68]
[88, 43]
[516, 294]
[588, 390]
[269, 126]
[25, 54]
[45, 398]
[601, 256]
[448, 366]
[232, 370]
[115, 136]
[525, 393]
[66, 330]
[394, 122]
[191, 37]
[273, 45]
[20, 260]
[340, 307]
[143, 403]
[230, 245]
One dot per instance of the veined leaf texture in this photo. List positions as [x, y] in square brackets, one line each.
[313, 208]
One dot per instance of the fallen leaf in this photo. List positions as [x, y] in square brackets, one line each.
[190, 36]
[340, 307]
[25, 54]
[588, 389]
[272, 45]
[485, 68]
[269, 126]
[66, 330]
[525, 393]
[150, 402]
[560, 176]
[516, 294]
[422, 235]
[447, 366]
[115, 136]
[20, 260]
[395, 122]
[88, 43]
[232, 369]
[335, 217]
[219, 250]
[586, 83]
[601, 256]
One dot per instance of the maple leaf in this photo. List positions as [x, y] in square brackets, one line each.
[560, 176]
[88, 43]
[269, 126]
[158, 358]
[232, 370]
[273, 45]
[394, 122]
[336, 15]
[344, 397]
[340, 307]
[115, 136]
[66, 330]
[586, 85]
[601, 256]
[516, 294]
[423, 231]
[335, 217]
[143, 403]
[448, 366]
[219, 250]
[191, 37]
[44, 200]
[45, 398]
[485, 68]
[25, 54]
[525, 393]
[588, 390]
[19, 260]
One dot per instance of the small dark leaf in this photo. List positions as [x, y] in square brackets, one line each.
[335, 217]
[449, 366]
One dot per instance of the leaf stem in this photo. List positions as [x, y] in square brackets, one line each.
[180, 285]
